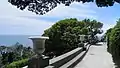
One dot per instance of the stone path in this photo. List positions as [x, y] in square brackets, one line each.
[97, 57]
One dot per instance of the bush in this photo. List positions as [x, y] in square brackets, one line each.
[18, 64]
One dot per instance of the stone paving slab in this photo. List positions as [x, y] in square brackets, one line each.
[97, 57]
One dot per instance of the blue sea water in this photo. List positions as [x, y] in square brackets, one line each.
[9, 40]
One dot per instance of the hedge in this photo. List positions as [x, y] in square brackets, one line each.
[113, 36]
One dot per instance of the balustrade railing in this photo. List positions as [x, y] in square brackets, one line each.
[68, 59]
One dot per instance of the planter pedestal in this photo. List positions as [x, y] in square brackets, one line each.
[39, 60]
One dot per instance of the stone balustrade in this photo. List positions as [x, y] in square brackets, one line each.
[67, 60]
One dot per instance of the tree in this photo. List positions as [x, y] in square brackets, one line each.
[2, 48]
[64, 35]
[9, 54]
[21, 52]
[1, 61]
[27, 52]
[43, 6]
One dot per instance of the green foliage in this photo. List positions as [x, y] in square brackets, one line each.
[21, 52]
[14, 53]
[18, 64]
[27, 52]
[43, 6]
[114, 44]
[0, 61]
[113, 35]
[64, 35]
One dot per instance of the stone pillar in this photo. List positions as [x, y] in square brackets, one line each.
[39, 60]
[82, 39]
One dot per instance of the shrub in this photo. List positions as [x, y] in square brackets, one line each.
[18, 64]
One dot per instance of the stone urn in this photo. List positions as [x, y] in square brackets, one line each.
[38, 61]
[38, 44]
[82, 38]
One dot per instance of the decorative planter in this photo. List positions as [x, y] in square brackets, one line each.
[38, 61]
[38, 44]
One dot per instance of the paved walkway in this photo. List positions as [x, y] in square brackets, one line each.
[97, 57]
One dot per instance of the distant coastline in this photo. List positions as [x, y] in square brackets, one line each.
[9, 40]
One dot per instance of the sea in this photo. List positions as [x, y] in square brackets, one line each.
[9, 40]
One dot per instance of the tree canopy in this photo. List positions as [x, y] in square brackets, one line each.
[43, 6]
[64, 35]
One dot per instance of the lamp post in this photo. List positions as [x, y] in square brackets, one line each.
[38, 61]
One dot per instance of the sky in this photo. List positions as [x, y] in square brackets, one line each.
[17, 22]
